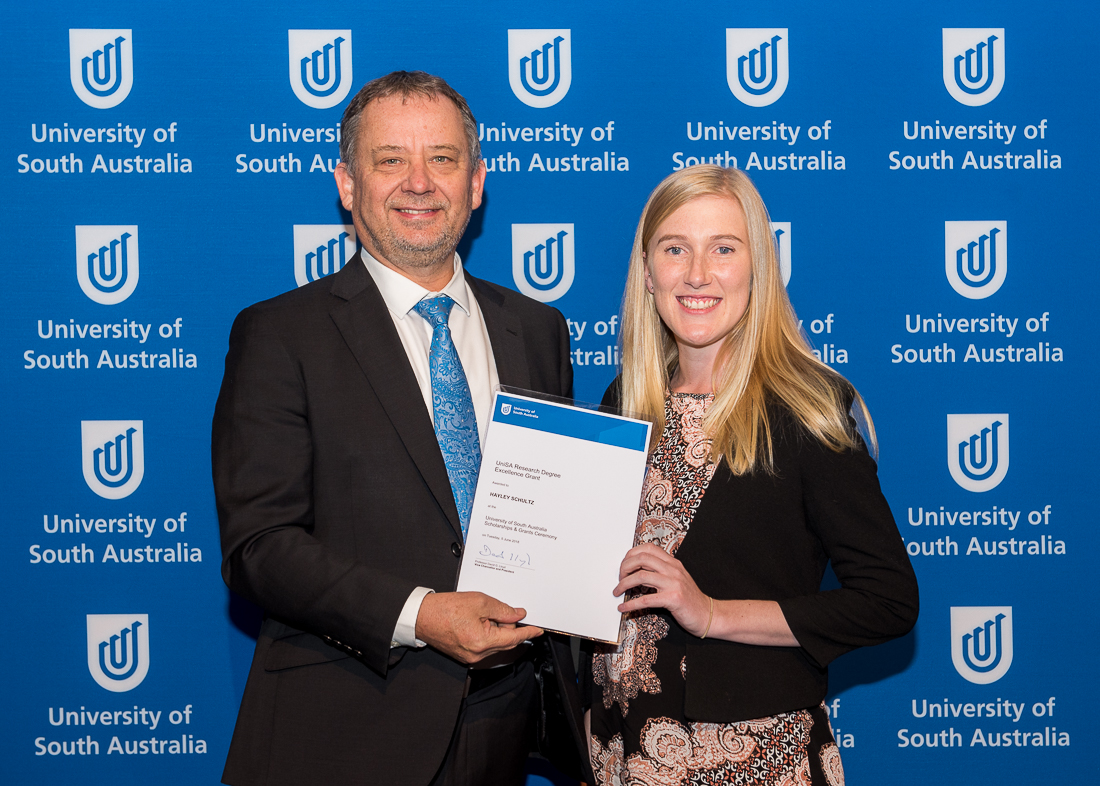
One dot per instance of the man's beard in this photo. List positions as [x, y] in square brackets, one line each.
[405, 254]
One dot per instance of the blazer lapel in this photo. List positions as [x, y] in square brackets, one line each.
[505, 336]
[363, 320]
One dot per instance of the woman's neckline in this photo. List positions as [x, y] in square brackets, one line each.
[676, 394]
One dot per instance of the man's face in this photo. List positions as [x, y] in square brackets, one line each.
[414, 187]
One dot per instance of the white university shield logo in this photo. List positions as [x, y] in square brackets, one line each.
[320, 66]
[505, 408]
[113, 456]
[107, 262]
[756, 64]
[977, 450]
[782, 232]
[542, 260]
[976, 256]
[974, 63]
[540, 66]
[981, 642]
[101, 66]
[118, 650]
[321, 249]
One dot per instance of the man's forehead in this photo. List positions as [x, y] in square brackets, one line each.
[433, 106]
[401, 122]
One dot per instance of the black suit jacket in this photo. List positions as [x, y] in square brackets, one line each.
[334, 505]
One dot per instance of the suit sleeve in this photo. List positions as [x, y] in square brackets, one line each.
[262, 453]
[565, 356]
[845, 508]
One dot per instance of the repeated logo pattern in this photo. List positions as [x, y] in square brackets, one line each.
[321, 249]
[118, 650]
[976, 256]
[977, 450]
[540, 65]
[107, 262]
[113, 456]
[981, 642]
[543, 260]
[102, 72]
[320, 66]
[757, 66]
[974, 63]
[101, 66]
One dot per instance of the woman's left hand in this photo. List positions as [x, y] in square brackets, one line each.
[651, 566]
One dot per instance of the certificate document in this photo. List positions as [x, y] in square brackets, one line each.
[555, 512]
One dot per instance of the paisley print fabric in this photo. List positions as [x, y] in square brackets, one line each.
[673, 488]
[452, 407]
[607, 762]
[629, 670]
[770, 751]
[830, 763]
[679, 471]
[640, 736]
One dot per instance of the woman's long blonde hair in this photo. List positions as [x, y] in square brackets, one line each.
[765, 357]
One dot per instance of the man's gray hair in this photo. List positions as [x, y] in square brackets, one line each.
[404, 84]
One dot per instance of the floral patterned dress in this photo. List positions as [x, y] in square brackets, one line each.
[639, 733]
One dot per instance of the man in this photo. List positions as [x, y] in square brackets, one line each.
[346, 440]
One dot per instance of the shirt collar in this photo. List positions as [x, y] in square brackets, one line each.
[402, 294]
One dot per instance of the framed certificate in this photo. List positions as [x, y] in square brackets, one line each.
[555, 512]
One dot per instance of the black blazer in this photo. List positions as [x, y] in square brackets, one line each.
[766, 536]
[334, 505]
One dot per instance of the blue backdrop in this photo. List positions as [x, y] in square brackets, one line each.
[931, 174]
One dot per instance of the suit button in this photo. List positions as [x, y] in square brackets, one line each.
[456, 549]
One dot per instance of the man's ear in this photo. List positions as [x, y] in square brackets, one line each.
[345, 184]
[477, 185]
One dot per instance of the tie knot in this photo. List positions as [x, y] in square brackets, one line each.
[435, 310]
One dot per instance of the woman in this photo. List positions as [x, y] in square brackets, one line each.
[757, 478]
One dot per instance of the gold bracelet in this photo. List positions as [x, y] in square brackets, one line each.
[710, 619]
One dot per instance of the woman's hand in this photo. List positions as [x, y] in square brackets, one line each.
[759, 622]
[651, 566]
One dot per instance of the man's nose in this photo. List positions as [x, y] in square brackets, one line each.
[418, 179]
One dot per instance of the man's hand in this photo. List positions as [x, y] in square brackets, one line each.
[470, 626]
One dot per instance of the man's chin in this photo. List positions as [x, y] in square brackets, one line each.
[422, 261]
[408, 257]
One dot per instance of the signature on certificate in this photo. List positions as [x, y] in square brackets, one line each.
[521, 560]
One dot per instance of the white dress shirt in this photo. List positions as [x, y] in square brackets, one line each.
[471, 339]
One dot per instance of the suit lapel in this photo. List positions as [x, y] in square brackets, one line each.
[363, 320]
[505, 336]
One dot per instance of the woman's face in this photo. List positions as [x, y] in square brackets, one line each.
[699, 271]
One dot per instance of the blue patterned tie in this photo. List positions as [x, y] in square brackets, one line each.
[453, 408]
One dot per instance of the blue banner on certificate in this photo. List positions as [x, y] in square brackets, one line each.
[555, 512]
